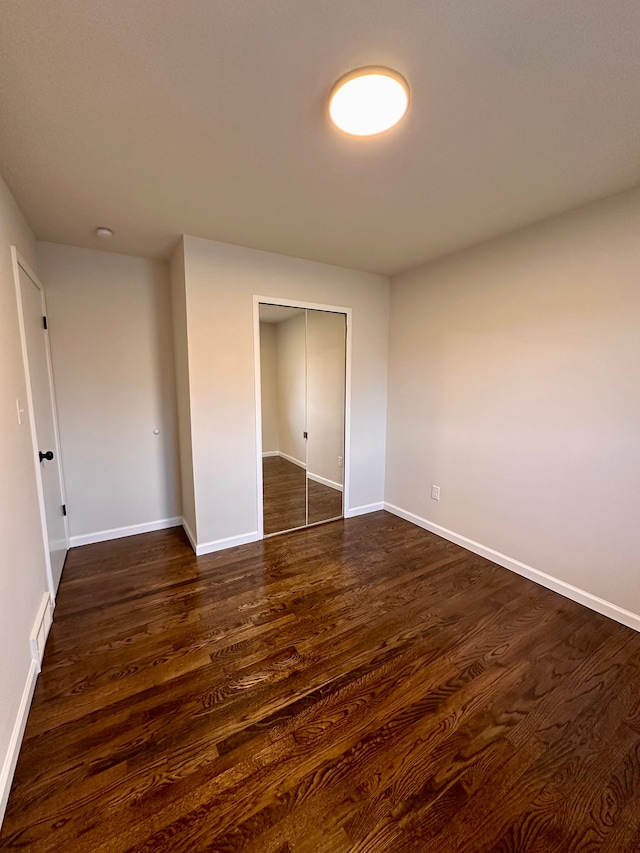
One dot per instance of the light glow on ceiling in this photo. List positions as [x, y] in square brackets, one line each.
[368, 101]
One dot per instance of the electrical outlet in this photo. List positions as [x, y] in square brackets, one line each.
[340, 461]
[435, 493]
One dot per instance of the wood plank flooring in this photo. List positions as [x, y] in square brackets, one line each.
[324, 502]
[360, 686]
[284, 496]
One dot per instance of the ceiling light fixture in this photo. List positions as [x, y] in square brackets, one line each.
[368, 101]
[104, 233]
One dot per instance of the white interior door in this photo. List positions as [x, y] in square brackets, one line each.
[43, 420]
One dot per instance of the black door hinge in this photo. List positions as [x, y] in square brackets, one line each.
[64, 509]
[44, 323]
[305, 435]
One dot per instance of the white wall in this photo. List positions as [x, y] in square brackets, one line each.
[22, 561]
[112, 350]
[325, 394]
[514, 386]
[269, 387]
[183, 397]
[221, 281]
[290, 356]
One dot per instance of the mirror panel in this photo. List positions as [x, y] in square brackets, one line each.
[284, 495]
[302, 358]
[326, 339]
[282, 373]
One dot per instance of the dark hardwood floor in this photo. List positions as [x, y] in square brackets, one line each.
[284, 497]
[359, 686]
[324, 502]
[283, 493]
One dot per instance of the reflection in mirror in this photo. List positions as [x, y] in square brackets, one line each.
[282, 369]
[326, 338]
[302, 360]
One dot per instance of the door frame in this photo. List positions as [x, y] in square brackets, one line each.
[312, 306]
[20, 263]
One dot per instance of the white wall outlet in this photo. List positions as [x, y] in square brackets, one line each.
[340, 461]
[435, 493]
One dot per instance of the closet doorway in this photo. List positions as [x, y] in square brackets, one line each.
[302, 415]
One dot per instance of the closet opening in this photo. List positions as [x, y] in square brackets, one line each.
[301, 414]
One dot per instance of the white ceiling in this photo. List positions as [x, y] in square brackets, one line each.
[158, 117]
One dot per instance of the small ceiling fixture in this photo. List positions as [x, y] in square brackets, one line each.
[368, 101]
[104, 233]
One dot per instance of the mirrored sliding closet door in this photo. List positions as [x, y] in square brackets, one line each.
[302, 368]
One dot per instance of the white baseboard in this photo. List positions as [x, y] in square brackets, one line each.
[39, 633]
[325, 482]
[228, 542]
[120, 532]
[15, 742]
[190, 535]
[363, 510]
[293, 459]
[266, 453]
[40, 630]
[581, 596]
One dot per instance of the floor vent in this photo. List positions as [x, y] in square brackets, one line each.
[40, 630]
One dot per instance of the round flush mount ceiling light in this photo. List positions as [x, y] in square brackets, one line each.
[104, 233]
[368, 101]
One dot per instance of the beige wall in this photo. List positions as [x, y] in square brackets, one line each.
[290, 336]
[183, 398]
[112, 351]
[513, 385]
[269, 387]
[22, 561]
[221, 282]
[325, 394]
